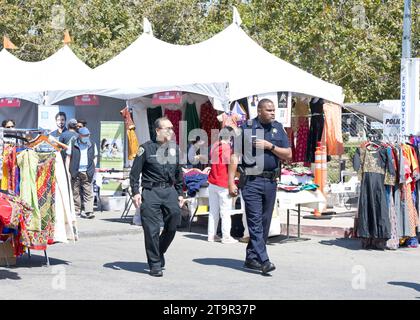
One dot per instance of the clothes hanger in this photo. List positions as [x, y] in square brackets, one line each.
[48, 140]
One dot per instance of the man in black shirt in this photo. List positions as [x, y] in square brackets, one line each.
[161, 196]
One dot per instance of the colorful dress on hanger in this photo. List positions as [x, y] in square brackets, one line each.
[391, 182]
[373, 214]
[291, 138]
[27, 161]
[132, 142]
[175, 116]
[208, 118]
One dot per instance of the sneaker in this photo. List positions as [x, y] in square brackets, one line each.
[213, 238]
[89, 215]
[229, 240]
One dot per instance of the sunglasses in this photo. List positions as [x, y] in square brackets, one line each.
[10, 127]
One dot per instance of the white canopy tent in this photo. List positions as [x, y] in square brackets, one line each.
[31, 80]
[226, 67]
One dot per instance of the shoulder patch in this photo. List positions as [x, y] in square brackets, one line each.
[140, 151]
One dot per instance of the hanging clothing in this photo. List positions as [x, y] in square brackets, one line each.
[230, 120]
[208, 117]
[27, 161]
[175, 116]
[65, 227]
[291, 138]
[316, 128]
[301, 139]
[46, 195]
[132, 142]
[191, 116]
[373, 214]
[332, 129]
[153, 114]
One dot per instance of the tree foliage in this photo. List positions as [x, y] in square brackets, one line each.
[353, 43]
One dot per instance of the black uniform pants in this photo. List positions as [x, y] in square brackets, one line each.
[158, 204]
[259, 195]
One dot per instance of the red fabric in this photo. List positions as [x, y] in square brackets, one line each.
[220, 158]
[208, 119]
[5, 213]
[302, 139]
[129, 124]
[175, 117]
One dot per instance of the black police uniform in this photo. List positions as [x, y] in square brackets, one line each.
[162, 184]
[259, 191]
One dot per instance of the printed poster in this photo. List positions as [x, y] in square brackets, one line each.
[46, 115]
[111, 150]
[282, 103]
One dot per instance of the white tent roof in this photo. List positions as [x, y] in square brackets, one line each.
[227, 67]
[29, 80]
[375, 110]
[250, 69]
[19, 78]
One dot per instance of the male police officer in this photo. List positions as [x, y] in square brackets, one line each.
[158, 161]
[259, 184]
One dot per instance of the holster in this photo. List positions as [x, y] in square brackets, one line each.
[243, 178]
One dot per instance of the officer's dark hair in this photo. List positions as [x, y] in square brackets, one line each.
[61, 113]
[263, 102]
[158, 121]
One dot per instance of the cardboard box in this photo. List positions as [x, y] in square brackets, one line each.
[7, 257]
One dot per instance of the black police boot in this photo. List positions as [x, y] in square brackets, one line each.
[267, 267]
[252, 264]
[156, 272]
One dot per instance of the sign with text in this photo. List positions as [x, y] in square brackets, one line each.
[282, 103]
[86, 100]
[167, 97]
[391, 130]
[10, 102]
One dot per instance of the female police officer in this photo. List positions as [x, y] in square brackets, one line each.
[259, 179]
[158, 161]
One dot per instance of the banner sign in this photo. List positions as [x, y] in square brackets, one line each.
[168, 97]
[112, 145]
[391, 127]
[86, 100]
[10, 102]
[282, 103]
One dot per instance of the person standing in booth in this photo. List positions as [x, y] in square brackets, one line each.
[258, 184]
[161, 197]
[60, 121]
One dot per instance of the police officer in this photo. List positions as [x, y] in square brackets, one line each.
[258, 180]
[161, 196]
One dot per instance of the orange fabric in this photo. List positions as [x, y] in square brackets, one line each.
[332, 135]
[133, 144]
[129, 124]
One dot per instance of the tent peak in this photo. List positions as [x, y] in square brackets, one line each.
[147, 26]
[236, 17]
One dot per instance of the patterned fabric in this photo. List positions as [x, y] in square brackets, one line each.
[46, 194]
[28, 163]
[302, 139]
[175, 116]
[393, 242]
[208, 118]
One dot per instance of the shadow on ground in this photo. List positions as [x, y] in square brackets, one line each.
[351, 244]
[139, 267]
[226, 263]
[6, 274]
[38, 261]
[412, 285]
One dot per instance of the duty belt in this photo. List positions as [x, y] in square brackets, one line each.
[267, 174]
[150, 185]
